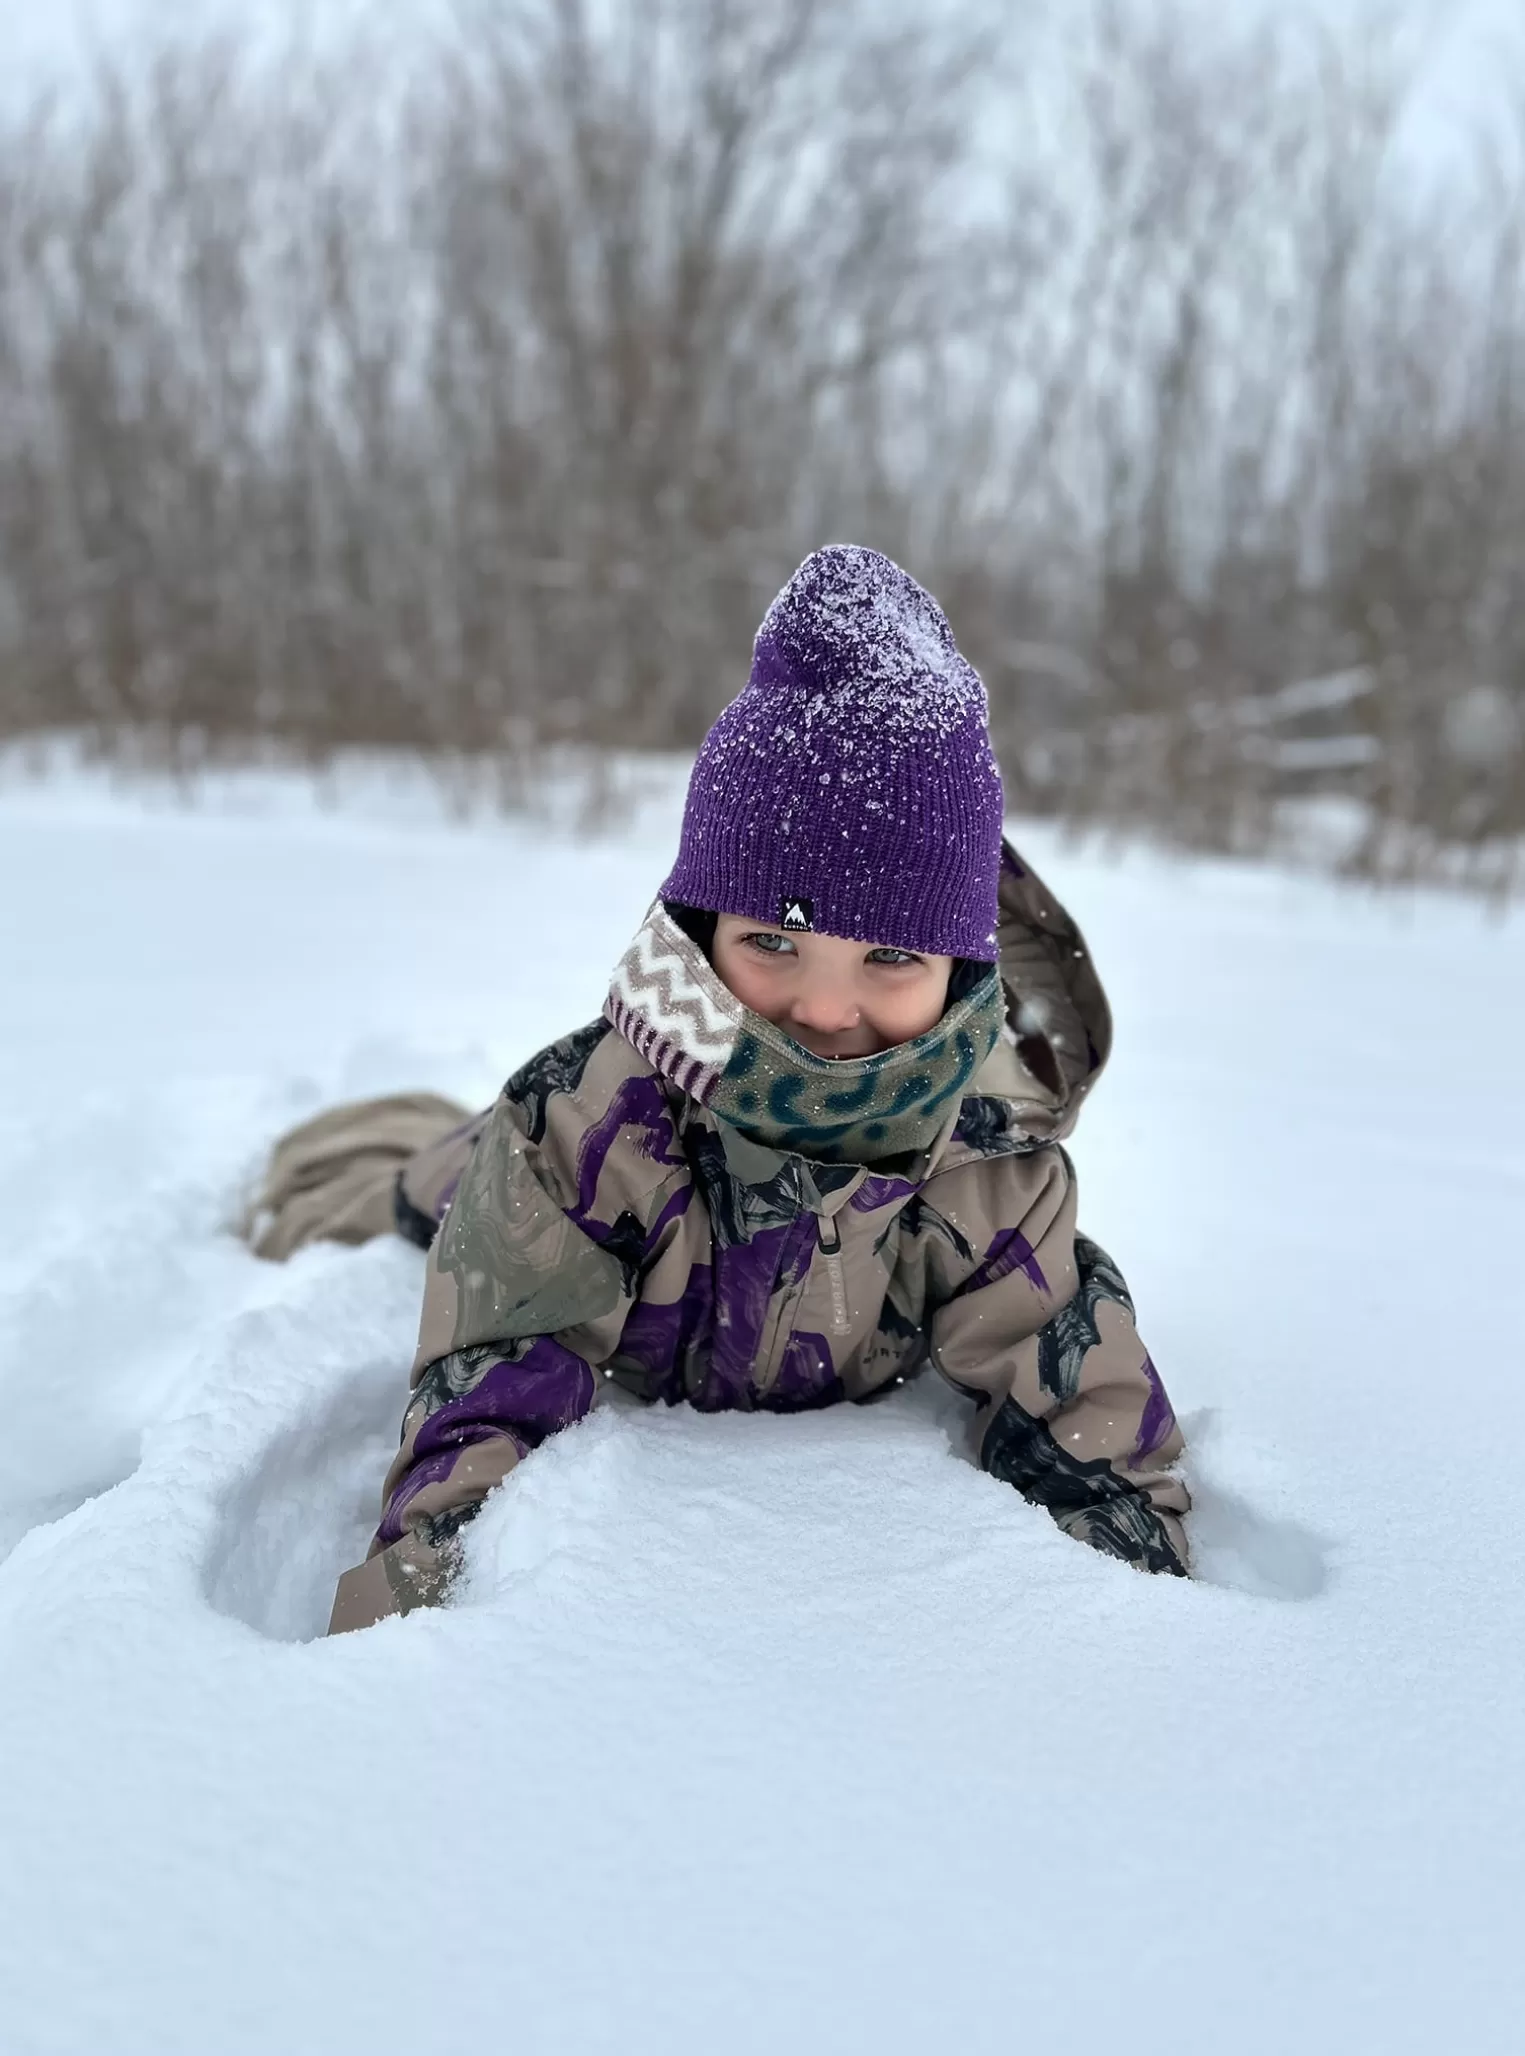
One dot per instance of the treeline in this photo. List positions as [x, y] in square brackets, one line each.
[478, 394]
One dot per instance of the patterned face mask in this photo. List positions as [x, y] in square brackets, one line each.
[864, 1108]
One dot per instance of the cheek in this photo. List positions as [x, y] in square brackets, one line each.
[902, 1016]
[755, 984]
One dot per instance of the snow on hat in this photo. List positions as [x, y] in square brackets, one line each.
[850, 788]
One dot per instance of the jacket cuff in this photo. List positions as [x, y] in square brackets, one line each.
[408, 1573]
[1132, 1530]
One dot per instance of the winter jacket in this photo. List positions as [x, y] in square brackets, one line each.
[680, 1200]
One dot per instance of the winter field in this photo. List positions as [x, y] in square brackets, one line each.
[749, 1733]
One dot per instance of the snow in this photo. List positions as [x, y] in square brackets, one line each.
[748, 1733]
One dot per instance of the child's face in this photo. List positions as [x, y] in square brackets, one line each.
[840, 999]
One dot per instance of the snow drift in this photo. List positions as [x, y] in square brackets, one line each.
[748, 1731]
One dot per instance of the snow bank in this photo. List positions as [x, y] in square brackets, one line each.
[748, 1733]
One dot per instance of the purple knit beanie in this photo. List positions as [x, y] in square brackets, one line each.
[850, 788]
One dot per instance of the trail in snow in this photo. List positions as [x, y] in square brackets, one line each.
[745, 1730]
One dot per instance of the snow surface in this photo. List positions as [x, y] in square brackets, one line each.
[750, 1733]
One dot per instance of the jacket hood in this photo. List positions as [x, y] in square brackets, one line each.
[1027, 1041]
[1058, 1028]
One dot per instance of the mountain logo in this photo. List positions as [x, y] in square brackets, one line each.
[796, 915]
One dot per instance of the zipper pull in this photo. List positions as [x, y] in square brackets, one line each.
[832, 1251]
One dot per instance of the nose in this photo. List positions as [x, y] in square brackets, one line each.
[825, 1004]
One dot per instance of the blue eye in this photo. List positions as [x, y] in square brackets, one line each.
[892, 957]
[770, 945]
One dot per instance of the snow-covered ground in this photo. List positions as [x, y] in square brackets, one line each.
[750, 1733]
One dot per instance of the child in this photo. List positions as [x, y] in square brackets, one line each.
[813, 1142]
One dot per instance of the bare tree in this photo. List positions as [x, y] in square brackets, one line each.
[480, 404]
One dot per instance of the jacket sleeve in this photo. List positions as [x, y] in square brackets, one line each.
[1073, 1412]
[530, 1278]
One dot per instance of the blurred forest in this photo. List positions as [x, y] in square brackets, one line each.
[476, 398]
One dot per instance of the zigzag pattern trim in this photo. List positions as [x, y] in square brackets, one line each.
[674, 1062]
[652, 980]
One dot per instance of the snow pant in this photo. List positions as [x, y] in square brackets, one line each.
[337, 1178]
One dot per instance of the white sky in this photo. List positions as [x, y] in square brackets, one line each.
[1474, 48]
[46, 37]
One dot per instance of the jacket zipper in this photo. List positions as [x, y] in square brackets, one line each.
[781, 1322]
[832, 1251]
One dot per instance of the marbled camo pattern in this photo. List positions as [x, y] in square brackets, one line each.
[605, 1224]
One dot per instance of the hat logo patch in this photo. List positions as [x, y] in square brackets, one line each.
[796, 915]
